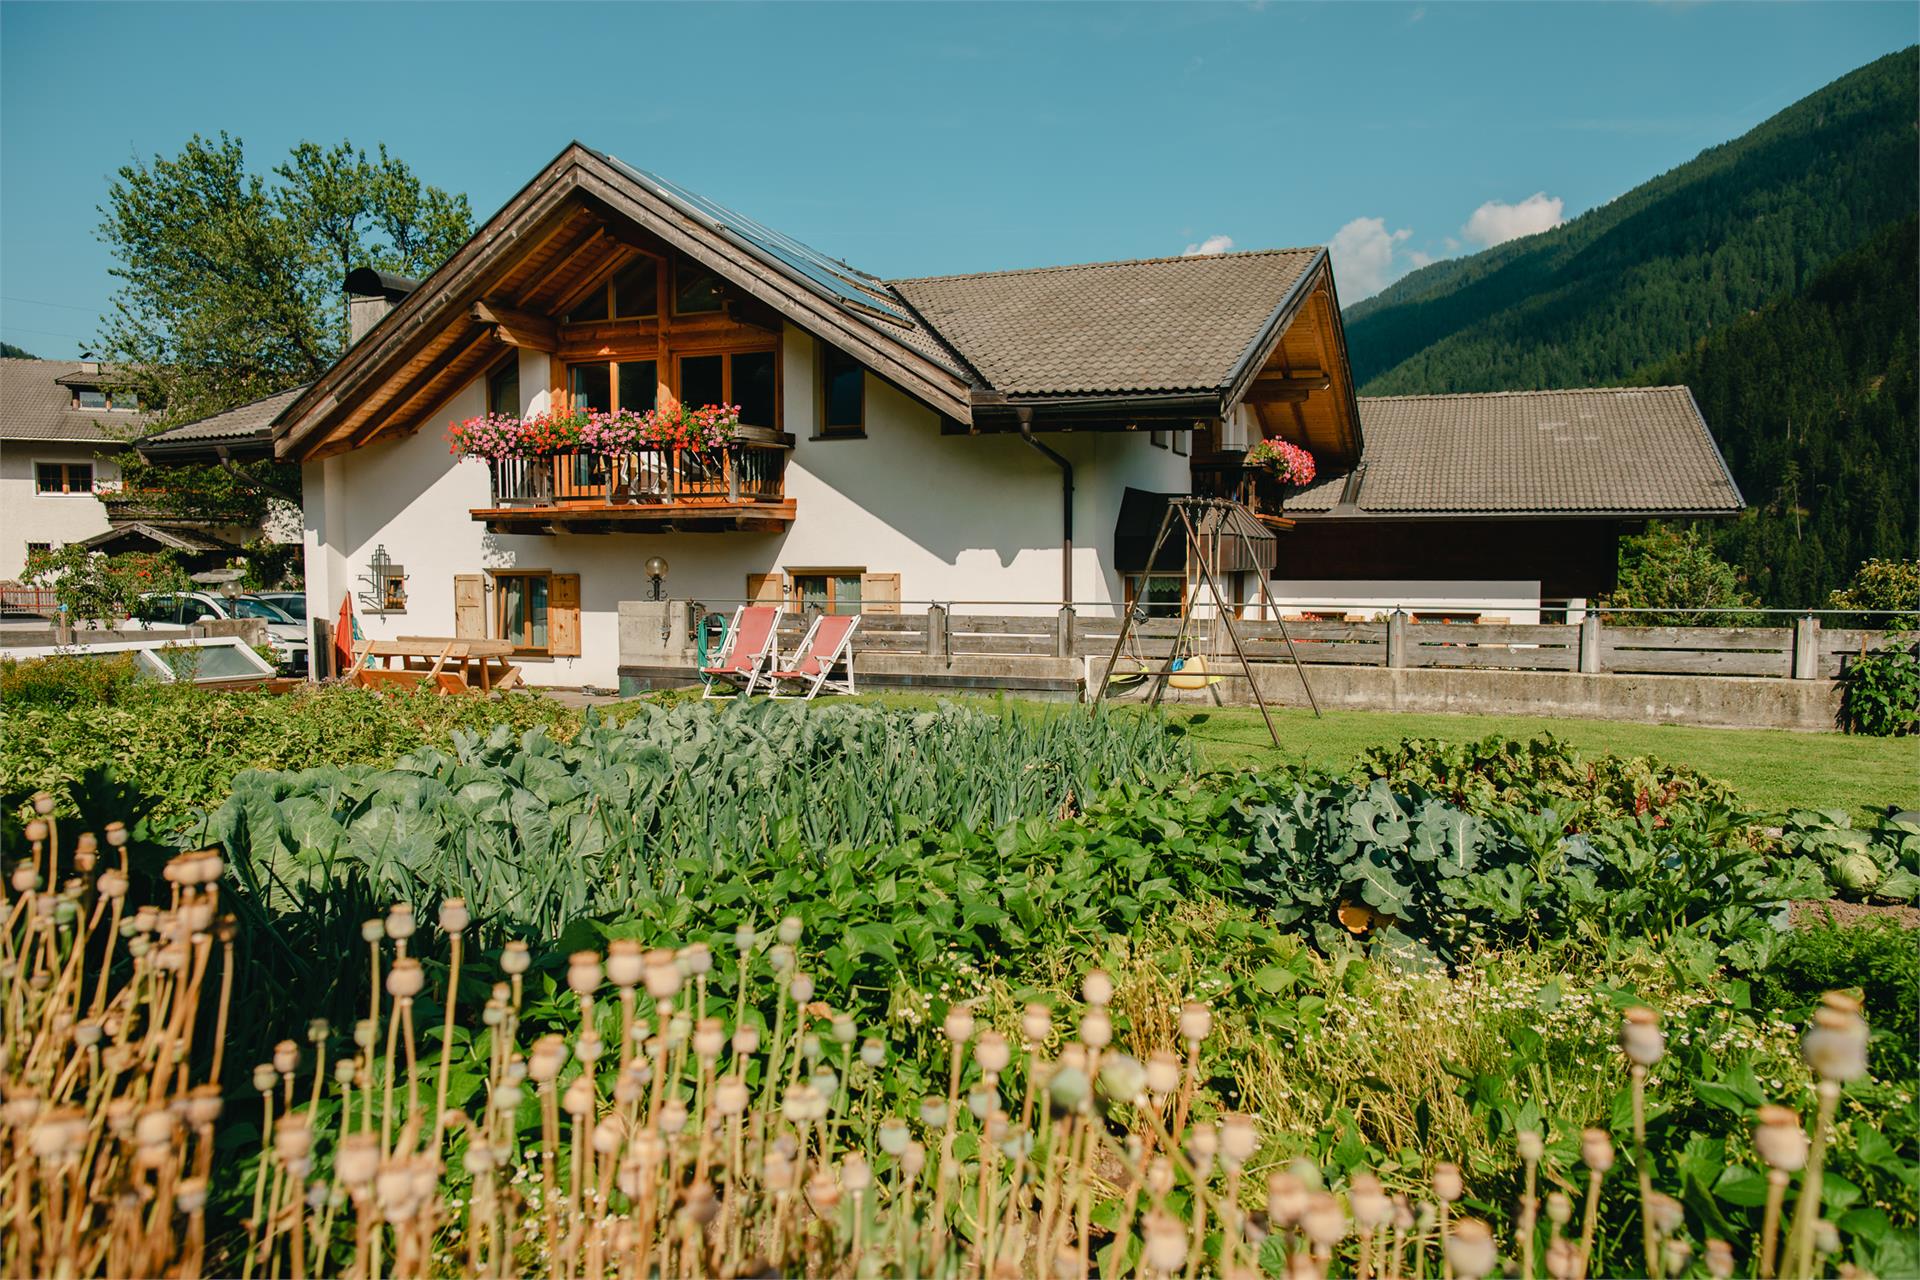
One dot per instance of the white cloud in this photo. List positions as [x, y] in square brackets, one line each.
[1212, 244]
[1363, 257]
[1420, 258]
[1497, 222]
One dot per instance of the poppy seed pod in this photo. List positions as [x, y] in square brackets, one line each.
[1122, 1078]
[265, 1077]
[992, 1052]
[373, 930]
[746, 1041]
[400, 921]
[548, 1056]
[913, 1159]
[1286, 1199]
[25, 879]
[1165, 1247]
[478, 1160]
[406, 979]
[1596, 1150]
[577, 1101]
[789, 931]
[1826, 1236]
[702, 1206]
[1097, 987]
[856, 1175]
[1677, 1253]
[358, 1159]
[873, 1052]
[1530, 1145]
[286, 1057]
[1163, 1073]
[1239, 1137]
[780, 956]
[156, 1126]
[344, 1070]
[589, 1048]
[454, 916]
[823, 1193]
[894, 1136]
[626, 963]
[292, 1138]
[1470, 1249]
[810, 1047]
[43, 805]
[1068, 1087]
[698, 958]
[1836, 1045]
[933, 1112]
[1447, 1183]
[36, 831]
[801, 988]
[1559, 1208]
[826, 1081]
[844, 1030]
[1323, 1220]
[776, 1174]
[584, 972]
[709, 1038]
[673, 1116]
[113, 883]
[744, 938]
[1159, 1177]
[1036, 1023]
[1370, 1205]
[366, 1033]
[1665, 1213]
[730, 1096]
[1719, 1259]
[515, 959]
[1196, 1022]
[983, 1101]
[1640, 1037]
[1562, 1259]
[1096, 1029]
[204, 1105]
[958, 1024]
[191, 1195]
[1780, 1140]
[117, 834]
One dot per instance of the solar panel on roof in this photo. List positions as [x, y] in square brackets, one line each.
[836, 279]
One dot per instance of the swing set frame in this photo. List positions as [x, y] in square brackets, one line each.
[1185, 509]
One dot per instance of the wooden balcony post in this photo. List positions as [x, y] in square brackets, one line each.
[1590, 643]
[1063, 636]
[730, 454]
[1806, 648]
[1397, 638]
[936, 631]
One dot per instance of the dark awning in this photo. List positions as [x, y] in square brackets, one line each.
[1141, 512]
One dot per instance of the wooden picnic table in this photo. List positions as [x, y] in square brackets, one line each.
[449, 665]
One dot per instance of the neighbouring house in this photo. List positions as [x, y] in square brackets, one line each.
[62, 427]
[1003, 439]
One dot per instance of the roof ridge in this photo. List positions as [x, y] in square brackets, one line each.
[1115, 262]
[1547, 391]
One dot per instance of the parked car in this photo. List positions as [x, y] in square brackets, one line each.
[160, 611]
[291, 603]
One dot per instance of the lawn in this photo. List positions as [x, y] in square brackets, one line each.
[1773, 770]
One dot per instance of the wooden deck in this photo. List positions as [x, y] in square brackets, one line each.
[653, 517]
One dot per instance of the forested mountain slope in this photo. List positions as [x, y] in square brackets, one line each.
[1646, 276]
[1814, 403]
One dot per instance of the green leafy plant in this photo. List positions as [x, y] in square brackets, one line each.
[1881, 589]
[1863, 864]
[61, 682]
[92, 587]
[1880, 691]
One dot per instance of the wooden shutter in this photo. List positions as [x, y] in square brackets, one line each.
[469, 606]
[563, 615]
[766, 588]
[880, 593]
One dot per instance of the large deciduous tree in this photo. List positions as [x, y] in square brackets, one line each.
[230, 280]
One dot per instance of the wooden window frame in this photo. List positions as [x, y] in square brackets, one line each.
[673, 298]
[1132, 582]
[815, 571]
[1158, 439]
[726, 351]
[604, 288]
[106, 400]
[823, 430]
[510, 365]
[66, 489]
[496, 612]
[613, 363]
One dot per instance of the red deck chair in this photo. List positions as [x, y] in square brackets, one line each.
[828, 642]
[750, 648]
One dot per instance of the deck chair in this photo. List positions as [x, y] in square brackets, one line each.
[828, 642]
[750, 648]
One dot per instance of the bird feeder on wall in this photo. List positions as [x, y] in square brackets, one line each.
[385, 584]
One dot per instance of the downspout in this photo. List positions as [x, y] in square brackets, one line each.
[1066, 503]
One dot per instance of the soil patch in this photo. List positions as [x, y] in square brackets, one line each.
[1808, 914]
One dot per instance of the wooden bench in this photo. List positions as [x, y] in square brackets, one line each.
[449, 666]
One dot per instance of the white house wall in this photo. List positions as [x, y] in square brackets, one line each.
[960, 519]
[53, 518]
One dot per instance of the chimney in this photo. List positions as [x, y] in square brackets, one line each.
[370, 295]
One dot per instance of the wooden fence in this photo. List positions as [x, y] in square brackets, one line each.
[1804, 650]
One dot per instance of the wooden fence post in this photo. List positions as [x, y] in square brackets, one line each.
[936, 631]
[1590, 643]
[1397, 638]
[1063, 637]
[1806, 648]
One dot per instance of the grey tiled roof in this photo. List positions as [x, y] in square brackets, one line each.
[1158, 324]
[245, 422]
[34, 405]
[1628, 450]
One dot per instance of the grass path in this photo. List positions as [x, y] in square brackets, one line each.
[1772, 770]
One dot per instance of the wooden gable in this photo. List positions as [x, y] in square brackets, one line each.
[1303, 390]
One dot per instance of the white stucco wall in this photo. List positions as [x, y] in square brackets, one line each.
[959, 518]
[27, 516]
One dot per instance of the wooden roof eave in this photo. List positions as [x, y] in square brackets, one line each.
[1261, 349]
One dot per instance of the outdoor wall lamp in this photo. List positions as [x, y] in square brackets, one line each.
[656, 576]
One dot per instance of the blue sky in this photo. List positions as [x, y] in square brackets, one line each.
[926, 138]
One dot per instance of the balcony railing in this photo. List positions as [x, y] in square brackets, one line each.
[737, 474]
[1255, 488]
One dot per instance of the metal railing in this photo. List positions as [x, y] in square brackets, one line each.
[738, 472]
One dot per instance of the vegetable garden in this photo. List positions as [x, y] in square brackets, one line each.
[860, 990]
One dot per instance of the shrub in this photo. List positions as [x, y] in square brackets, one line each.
[1880, 590]
[92, 587]
[1879, 959]
[1880, 692]
[60, 682]
[1669, 568]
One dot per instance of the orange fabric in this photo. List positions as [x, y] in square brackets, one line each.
[750, 641]
[828, 636]
[343, 636]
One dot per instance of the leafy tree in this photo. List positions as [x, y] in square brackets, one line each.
[1879, 589]
[1675, 568]
[92, 587]
[10, 352]
[230, 280]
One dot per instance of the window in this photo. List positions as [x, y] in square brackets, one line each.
[589, 309]
[1161, 593]
[1158, 439]
[591, 386]
[827, 590]
[157, 609]
[193, 609]
[63, 477]
[520, 610]
[126, 401]
[39, 548]
[503, 388]
[1180, 443]
[89, 398]
[615, 384]
[749, 379]
[696, 290]
[636, 291]
[843, 382]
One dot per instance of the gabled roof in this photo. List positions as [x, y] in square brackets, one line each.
[1155, 324]
[1626, 451]
[244, 424]
[173, 539]
[36, 402]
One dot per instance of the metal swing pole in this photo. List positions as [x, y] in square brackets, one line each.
[1226, 616]
[1266, 601]
[1126, 613]
[1186, 607]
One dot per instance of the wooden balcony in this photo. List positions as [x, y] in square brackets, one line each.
[1222, 475]
[740, 486]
